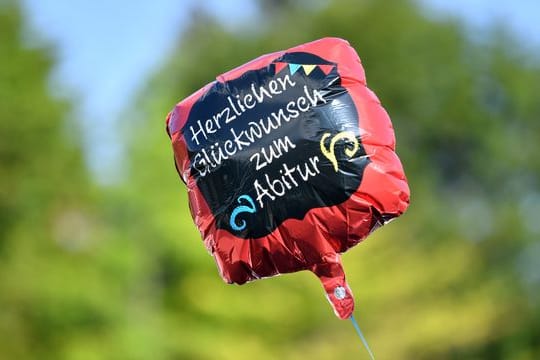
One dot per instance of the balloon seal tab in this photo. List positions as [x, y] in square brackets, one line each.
[335, 286]
[359, 332]
[340, 293]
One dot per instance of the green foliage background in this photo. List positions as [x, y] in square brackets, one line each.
[119, 272]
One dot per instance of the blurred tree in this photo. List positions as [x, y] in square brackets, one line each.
[34, 143]
[44, 204]
[121, 273]
[465, 116]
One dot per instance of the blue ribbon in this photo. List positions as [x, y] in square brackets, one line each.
[355, 324]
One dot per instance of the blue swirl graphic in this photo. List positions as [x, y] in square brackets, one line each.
[240, 210]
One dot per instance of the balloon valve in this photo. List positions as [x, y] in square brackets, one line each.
[337, 291]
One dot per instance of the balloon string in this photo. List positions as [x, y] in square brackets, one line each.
[355, 324]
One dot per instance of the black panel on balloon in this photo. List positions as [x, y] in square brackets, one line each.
[275, 143]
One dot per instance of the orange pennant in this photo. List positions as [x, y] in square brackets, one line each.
[279, 66]
[326, 68]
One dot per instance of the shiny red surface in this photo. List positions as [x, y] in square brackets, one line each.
[314, 242]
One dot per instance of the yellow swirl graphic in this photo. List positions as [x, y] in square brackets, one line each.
[329, 152]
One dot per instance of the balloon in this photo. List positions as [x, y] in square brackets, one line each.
[289, 160]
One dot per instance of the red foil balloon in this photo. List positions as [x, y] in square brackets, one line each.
[289, 161]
